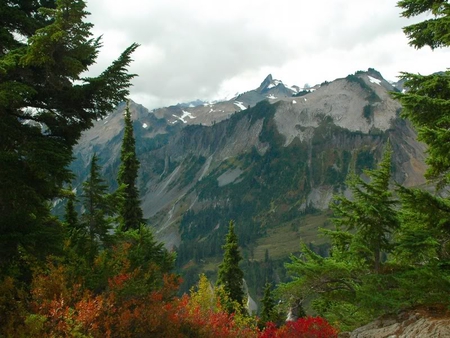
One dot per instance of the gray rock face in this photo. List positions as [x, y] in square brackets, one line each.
[181, 147]
[418, 323]
[210, 113]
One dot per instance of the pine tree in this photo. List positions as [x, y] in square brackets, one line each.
[230, 275]
[98, 207]
[45, 104]
[131, 216]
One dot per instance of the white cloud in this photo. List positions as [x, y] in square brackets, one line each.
[204, 49]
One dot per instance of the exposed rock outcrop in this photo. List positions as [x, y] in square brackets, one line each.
[420, 322]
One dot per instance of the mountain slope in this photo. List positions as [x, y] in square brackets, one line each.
[273, 167]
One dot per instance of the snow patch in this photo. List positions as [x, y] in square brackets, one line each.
[145, 126]
[294, 102]
[240, 105]
[272, 97]
[183, 117]
[305, 99]
[374, 80]
[274, 84]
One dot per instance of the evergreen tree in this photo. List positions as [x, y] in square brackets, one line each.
[425, 232]
[349, 286]
[230, 275]
[371, 212]
[131, 216]
[71, 215]
[45, 104]
[98, 206]
[268, 313]
[427, 102]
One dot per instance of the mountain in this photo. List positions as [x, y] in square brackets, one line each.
[273, 167]
[208, 113]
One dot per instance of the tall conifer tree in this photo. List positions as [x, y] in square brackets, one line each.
[230, 275]
[371, 211]
[268, 313]
[98, 208]
[131, 216]
[45, 104]
[425, 232]
[427, 101]
[71, 215]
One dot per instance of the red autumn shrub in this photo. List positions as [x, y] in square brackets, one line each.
[309, 327]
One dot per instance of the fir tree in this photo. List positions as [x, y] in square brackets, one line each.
[45, 104]
[230, 275]
[371, 211]
[268, 313]
[425, 231]
[131, 216]
[98, 206]
[347, 285]
[427, 102]
[71, 215]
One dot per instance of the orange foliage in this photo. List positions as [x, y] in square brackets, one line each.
[132, 303]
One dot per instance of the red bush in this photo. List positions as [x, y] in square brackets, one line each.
[309, 327]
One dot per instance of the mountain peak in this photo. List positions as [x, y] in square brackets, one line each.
[267, 81]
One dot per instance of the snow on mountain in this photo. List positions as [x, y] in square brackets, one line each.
[374, 80]
[182, 118]
[240, 105]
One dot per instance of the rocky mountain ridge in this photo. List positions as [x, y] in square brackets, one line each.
[208, 113]
[273, 167]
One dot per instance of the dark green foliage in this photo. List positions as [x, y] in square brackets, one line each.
[432, 32]
[268, 313]
[372, 97]
[352, 285]
[131, 215]
[71, 216]
[425, 232]
[191, 169]
[301, 93]
[368, 112]
[230, 276]
[96, 220]
[426, 103]
[364, 160]
[145, 252]
[371, 212]
[44, 107]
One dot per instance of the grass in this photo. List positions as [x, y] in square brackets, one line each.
[285, 239]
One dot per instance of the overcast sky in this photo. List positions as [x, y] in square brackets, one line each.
[206, 49]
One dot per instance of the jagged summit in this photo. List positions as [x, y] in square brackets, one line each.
[267, 81]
